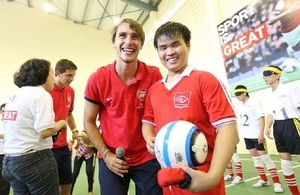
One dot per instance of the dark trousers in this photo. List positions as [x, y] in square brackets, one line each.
[4, 184]
[144, 176]
[89, 168]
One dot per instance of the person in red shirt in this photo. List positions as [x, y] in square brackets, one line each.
[194, 96]
[63, 104]
[116, 93]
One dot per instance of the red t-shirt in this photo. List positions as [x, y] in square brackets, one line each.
[199, 98]
[121, 108]
[63, 104]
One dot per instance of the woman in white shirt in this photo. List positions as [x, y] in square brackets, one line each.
[29, 164]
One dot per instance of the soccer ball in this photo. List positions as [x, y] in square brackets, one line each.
[180, 142]
[289, 65]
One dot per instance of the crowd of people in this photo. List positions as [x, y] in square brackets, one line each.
[133, 101]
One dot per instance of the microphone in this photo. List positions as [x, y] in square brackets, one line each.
[120, 153]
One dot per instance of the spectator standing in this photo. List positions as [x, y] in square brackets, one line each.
[63, 103]
[252, 125]
[85, 151]
[283, 114]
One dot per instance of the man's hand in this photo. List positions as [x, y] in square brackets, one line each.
[74, 135]
[116, 165]
[268, 133]
[261, 138]
[150, 145]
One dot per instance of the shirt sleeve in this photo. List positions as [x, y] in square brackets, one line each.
[43, 113]
[217, 100]
[91, 93]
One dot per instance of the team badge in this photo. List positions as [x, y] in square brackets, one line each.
[141, 94]
[69, 99]
[182, 99]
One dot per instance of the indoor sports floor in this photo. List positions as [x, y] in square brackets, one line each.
[250, 177]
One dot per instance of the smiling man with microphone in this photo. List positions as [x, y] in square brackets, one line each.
[116, 95]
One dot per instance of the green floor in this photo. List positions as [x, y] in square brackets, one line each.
[250, 177]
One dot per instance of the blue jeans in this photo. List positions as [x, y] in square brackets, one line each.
[34, 173]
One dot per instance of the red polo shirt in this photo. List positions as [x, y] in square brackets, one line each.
[121, 108]
[63, 104]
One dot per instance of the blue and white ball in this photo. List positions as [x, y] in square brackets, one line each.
[180, 142]
[289, 65]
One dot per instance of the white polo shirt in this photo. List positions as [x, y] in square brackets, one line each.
[249, 114]
[283, 102]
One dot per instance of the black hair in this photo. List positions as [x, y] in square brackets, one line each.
[242, 87]
[33, 72]
[172, 29]
[278, 68]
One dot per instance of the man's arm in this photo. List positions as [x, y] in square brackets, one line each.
[72, 125]
[148, 131]
[269, 122]
[115, 164]
[261, 137]
[89, 121]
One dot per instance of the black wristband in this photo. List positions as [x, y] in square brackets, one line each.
[184, 184]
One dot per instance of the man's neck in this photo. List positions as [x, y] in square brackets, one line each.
[274, 86]
[59, 85]
[126, 71]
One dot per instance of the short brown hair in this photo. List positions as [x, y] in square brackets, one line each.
[63, 65]
[134, 25]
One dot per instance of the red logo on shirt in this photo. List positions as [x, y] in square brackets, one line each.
[10, 115]
[141, 94]
[182, 99]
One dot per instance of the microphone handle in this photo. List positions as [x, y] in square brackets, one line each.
[121, 157]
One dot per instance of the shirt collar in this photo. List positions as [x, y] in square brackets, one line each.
[187, 71]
